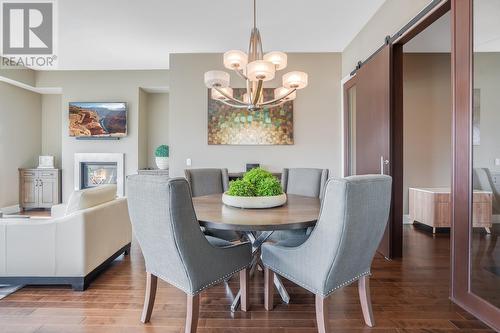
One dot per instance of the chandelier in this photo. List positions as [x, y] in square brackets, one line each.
[255, 68]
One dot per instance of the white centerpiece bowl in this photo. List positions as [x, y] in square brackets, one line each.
[254, 202]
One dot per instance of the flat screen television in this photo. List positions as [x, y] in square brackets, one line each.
[97, 119]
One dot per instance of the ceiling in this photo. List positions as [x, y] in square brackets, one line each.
[133, 34]
[437, 37]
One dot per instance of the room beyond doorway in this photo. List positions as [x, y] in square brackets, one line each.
[427, 128]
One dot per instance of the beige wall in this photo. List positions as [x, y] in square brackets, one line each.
[51, 127]
[427, 121]
[317, 117]
[390, 17]
[158, 124]
[20, 133]
[487, 79]
[143, 129]
[107, 86]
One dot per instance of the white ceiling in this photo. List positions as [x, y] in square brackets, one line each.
[134, 34]
[437, 37]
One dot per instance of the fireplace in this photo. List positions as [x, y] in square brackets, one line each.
[95, 169]
[94, 174]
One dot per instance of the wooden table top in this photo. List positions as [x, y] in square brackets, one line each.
[299, 212]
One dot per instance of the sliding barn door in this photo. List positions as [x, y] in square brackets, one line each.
[368, 122]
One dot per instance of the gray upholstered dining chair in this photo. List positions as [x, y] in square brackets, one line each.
[308, 182]
[207, 181]
[482, 180]
[210, 181]
[174, 248]
[340, 250]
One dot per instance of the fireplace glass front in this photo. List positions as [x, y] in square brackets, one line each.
[94, 174]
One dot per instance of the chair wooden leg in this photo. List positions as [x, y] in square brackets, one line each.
[366, 302]
[322, 314]
[244, 287]
[149, 299]
[268, 288]
[192, 313]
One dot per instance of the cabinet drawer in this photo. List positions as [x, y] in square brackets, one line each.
[47, 173]
[28, 173]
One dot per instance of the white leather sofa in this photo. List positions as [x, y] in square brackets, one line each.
[72, 247]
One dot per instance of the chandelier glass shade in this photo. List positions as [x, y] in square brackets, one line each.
[254, 68]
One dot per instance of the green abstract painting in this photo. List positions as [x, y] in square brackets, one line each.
[232, 126]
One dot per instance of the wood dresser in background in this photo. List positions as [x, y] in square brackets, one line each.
[39, 188]
[432, 207]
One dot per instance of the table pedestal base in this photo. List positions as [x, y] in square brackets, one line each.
[256, 245]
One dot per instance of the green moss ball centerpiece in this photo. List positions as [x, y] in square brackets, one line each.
[161, 157]
[257, 189]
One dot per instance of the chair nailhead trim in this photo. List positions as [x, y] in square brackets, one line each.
[305, 286]
[220, 279]
[171, 282]
[343, 284]
[204, 287]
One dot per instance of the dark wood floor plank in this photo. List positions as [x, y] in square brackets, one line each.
[408, 295]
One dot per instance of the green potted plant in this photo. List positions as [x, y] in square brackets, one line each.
[257, 189]
[161, 157]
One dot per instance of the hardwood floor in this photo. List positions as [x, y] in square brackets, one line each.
[485, 277]
[409, 295]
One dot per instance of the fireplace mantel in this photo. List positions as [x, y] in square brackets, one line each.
[117, 158]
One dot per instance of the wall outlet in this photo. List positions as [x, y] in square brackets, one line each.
[497, 161]
[188, 162]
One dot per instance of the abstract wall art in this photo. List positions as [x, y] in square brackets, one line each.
[232, 126]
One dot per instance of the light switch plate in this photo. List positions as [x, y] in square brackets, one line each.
[188, 162]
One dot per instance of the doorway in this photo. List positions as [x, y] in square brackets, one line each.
[427, 131]
[473, 24]
[374, 119]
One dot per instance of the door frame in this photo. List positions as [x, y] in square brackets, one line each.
[462, 72]
[351, 82]
[397, 128]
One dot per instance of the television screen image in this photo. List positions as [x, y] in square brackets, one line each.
[97, 119]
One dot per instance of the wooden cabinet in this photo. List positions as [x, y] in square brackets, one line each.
[39, 188]
[432, 206]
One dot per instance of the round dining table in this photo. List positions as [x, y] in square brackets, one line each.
[257, 225]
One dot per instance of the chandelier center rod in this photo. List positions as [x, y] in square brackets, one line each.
[254, 14]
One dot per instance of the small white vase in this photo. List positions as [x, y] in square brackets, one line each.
[162, 162]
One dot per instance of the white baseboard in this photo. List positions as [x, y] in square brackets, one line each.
[11, 209]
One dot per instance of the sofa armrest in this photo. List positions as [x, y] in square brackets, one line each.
[58, 211]
[86, 238]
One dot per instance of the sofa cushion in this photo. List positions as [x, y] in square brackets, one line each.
[90, 197]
